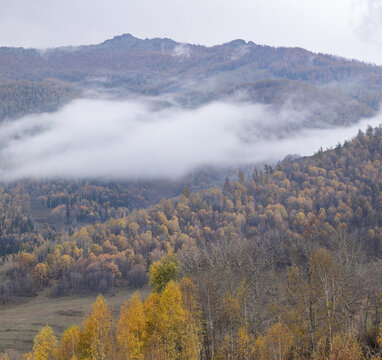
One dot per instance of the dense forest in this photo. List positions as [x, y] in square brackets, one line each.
[29, 206]
[18, 98]
[283, 264]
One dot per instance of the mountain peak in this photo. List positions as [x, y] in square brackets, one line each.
[128, 42]
[118, 40]
[236, 43]
[126, 36]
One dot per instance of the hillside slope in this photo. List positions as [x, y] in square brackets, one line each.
[332, 192]
[125, 65]
[255, 248]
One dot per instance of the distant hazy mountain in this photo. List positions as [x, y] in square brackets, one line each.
[330, 89]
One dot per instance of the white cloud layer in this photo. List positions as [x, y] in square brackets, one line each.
[128, 139]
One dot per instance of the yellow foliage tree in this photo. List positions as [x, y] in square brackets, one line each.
[164, 271]
[276, 344]
[68, 349]
[171, 332]
[346, 349]
[131, 329]
[26, 260]
[40, 274]
[97, 337]
[343, 348]
[45, 344]
[193, 321]
[244, 345]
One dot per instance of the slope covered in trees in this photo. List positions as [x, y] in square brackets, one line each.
[18, 98]
[339, 109]
[193, 75]
[67, 204]
[333, 191]
[291, 253]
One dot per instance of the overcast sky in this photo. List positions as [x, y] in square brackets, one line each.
[350, 28]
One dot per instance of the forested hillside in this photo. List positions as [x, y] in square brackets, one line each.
[288, 257]
[18, 98]
[344, 90]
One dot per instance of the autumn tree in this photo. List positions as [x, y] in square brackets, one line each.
[97, 336]
[40, 274]
[343, 348]
[68, 349]
[131, 329]
[276, 344]
[244, 347]
[45, 345]
[164, 271]
[170, 330]
[325, 274]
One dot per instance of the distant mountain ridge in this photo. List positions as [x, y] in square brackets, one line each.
[196, 74]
